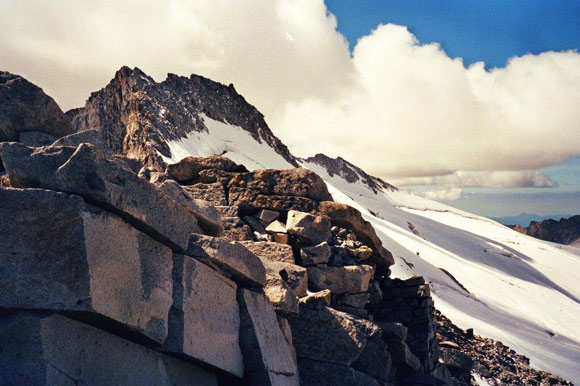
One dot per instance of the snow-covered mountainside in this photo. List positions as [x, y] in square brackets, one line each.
[507, 286]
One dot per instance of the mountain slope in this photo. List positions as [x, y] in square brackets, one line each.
[507, 286]
[483, 275]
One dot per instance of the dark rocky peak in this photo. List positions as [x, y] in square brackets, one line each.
[25, 108]
[138, 116]
[564, 231]
[349, 172]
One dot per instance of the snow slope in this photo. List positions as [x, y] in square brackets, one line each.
[510, 287]
[227, 140]
[507, 286]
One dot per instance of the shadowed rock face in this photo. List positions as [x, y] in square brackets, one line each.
[137, 115]
[24, 107]
[564, 231]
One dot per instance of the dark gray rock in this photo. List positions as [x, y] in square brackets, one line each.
[267, 357]
[325, 334]
[92, 136]
[204, 322]
[453, 358]
[229, 257]
[57, 253]
[402, 357]
[319, 373]
[36, 138]
[55, 350]
[25, 107]
[375, 360]
[207, 216]
[392, 330]
[104, 182]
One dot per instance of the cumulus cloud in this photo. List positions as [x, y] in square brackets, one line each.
[494, 179]
[395, 107]
[452, 194]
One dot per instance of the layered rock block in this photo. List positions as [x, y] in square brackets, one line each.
[267, 356]
[204, 322]
[55, 350]
[58, 253]
[105, 182]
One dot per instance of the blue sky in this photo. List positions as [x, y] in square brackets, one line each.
[492, 32]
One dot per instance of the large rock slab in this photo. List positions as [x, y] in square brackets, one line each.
[204, 322]
[230, 257]
[325, 334]
[375, 360]
[25, 107]
[207, 216]
[187, 170]
[267, 356]
[339, 280]
[314, 229]
[402, 356]
[57, 253]
[267, 250]
[105, 182]
[318, 373]
[350, 218]
[55, 350]
[278, 190]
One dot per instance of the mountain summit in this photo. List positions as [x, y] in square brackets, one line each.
[138, 117]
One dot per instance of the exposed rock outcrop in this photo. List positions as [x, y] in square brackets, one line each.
[563, 231]
[25, 108]
[137, 116]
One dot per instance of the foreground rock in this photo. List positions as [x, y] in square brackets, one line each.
[55, 350]
[105, 182]
[205, 213]
[267, 356]
[86, 261]
[205, 316]
[327, 335]
[231, 258]
[24, 107]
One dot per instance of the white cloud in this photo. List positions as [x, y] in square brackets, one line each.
[395, 107]
[452, 194]
[494, 179]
